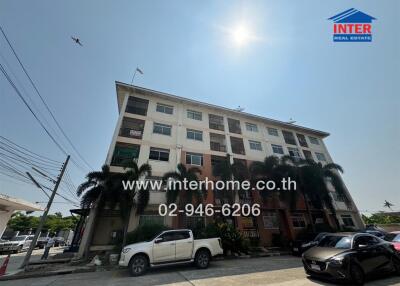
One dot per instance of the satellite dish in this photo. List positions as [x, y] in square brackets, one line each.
[240, 109]
[291, 121]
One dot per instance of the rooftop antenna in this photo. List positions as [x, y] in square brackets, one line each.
[240, 109]
[137, 70]
[291, 121]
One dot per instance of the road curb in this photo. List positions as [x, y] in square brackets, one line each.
[46, 274]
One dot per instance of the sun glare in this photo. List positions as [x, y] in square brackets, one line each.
[240, 35]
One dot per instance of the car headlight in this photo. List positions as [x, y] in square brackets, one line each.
[338, 260]
[126, 250]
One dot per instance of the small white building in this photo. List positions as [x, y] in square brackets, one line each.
[7, 207]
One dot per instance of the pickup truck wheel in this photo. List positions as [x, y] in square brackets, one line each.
[202, 258]
[138, 265]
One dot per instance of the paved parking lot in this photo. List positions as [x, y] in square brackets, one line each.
[282, 271]
[16, 259]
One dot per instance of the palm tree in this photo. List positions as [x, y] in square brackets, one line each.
[131, 198]
[275, 169]
[105, 188]
[94, 188]
[314, 179]
[226, 171]
[182, 173]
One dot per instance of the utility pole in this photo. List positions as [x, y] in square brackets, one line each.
[44, 216]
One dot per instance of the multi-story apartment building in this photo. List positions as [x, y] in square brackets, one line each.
[164, 130]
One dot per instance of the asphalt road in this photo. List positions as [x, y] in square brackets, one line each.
[282, 271]
[16, 259]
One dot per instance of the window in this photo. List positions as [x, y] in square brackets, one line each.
[347, 220]
[216, 122]
[255, 145]
[168, 109]
[168, 236]
[365, 240]
[132, 128]
[196, 115]
[251, 127]
[308, 155]
[320, 156]
[151, 219]
[124, 153]
[194, 134]
[289, 137]
[162, 129]
[270, 221]
[237, 145]
[272, 131]
[194, 159]
[298, 221]
[159, 154]
[277, 149]
[137, 105]
[302, 140]
[181, 235]
[313, 140]
[217, 142]
[294, 152]
[234, 126]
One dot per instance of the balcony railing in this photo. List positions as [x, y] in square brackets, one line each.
[216, 146]
[251, 233]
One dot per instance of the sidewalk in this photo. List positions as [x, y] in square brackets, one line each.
[63, 266]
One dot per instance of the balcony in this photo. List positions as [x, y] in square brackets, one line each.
[217, 142]
[132, 128]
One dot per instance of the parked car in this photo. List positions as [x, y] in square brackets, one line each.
[351, 256]
[376, 233]
[59, 241]
[394, 238]
[169, 247]
[42, 241]
[301, 245]
[17, 244]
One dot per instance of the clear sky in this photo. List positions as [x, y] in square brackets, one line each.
[287, 67]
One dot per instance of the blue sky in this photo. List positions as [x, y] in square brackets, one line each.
[289, 69]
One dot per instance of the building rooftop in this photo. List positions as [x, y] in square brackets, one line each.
[9, 204]
[167, 96]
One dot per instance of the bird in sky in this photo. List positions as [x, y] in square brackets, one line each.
[76, 40]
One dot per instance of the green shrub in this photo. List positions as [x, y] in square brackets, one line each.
[145, 232]
[232, 240]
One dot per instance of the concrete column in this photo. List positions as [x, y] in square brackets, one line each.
[5, 216]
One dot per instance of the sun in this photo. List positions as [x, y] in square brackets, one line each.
[241, 35]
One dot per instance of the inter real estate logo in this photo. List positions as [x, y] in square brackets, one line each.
[352, 26]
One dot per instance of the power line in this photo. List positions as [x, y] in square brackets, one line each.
[34, 114]
[23, 148]
[43, 101]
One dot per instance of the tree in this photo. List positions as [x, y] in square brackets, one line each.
[54, 222]
[226, 171]
[315, 180]
[106, 188]
[182, 173]
[275, 169]
[131, 198]
[96, 188]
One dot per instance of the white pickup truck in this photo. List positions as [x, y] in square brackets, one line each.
[169, 247]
